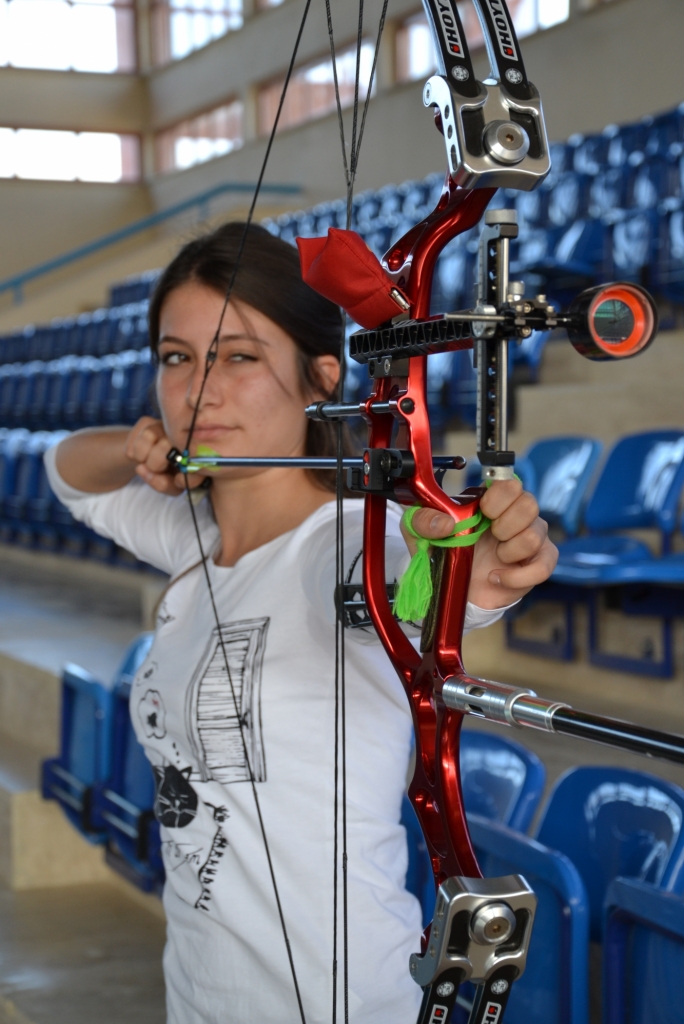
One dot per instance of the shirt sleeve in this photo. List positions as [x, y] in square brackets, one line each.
[152, 526]
[320, 569]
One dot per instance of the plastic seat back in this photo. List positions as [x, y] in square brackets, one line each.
[640, 484]
[610, 822]
[85, 748]
[633, 245]
[643, 959]
[138, 398]
[564, 468]
[123, 805]
[501, 779]
[9, 379]
[23, 396]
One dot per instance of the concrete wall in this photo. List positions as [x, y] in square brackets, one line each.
[41, 219]
[613, 62]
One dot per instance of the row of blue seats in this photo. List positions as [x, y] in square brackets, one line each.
[101, 776]
[136, 288]
[99, 333]
[642, 157]
[76, 391]
[612, 206]
[30, 514]
[607, 849]
[638, 487]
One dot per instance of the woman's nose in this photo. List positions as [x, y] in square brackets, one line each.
[203, 388]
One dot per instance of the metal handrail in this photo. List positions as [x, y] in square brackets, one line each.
[16, 283]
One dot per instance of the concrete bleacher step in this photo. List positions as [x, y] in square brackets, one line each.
[39, 849]
[54, 610]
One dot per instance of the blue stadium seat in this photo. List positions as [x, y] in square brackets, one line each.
[632, 245]
[85, 749]
[130, 328]
[614, 822]
[666, 132]
[590, 152]
[668, 275]
[17, 505]
[608, 191]
[655, 181]
[501, 781]
[29, 374]
[643, 953]
[123, 805]
[639, 488]
[11, 445]
[569, 199]
[564, 469]
[139, 399]
[9, 379]
[555, 985]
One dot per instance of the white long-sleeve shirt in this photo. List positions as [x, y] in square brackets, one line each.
[225, 960]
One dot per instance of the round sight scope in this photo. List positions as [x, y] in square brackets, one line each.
[612, 321]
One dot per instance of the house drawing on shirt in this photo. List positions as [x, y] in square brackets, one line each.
[219, 700]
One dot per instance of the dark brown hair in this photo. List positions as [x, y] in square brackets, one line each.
[269, 280]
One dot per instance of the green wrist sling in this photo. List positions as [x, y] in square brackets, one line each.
[414, 590]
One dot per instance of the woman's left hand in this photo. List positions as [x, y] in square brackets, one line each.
[511, 557]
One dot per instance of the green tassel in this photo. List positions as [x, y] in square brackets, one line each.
[414, 591]
[415, 587]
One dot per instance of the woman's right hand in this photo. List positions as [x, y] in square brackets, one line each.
[148, 446]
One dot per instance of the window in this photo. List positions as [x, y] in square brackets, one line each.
[68, 156]
[200, 138]
[78, 35]
[311, 92]
[181, 26]
[415, 52]
[263, 5]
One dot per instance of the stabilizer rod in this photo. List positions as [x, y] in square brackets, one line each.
[521, 707]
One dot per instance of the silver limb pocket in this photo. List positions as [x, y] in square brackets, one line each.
[480, 925]
[492, 140]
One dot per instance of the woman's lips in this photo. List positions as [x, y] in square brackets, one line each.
[212, 430]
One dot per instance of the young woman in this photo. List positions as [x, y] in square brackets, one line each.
[269, 538]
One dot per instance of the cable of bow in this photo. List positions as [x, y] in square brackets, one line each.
[350, 169]
[210, 360]
[350, 166]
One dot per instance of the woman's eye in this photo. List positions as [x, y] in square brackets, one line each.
[173, 358]
[242, 357]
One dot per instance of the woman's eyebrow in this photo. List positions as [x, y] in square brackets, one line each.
[244, 337]
[172, 339]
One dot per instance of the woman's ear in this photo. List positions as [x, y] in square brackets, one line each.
[328, 373]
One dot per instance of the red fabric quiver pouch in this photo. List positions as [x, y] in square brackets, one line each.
[343, 269]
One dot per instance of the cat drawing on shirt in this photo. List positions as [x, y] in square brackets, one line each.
[175, 803]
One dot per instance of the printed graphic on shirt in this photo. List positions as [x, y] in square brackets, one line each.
[223, 709]
[175, 803]
[153, 715]
[164, 616]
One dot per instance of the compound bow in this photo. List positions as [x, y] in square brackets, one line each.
[494, 137]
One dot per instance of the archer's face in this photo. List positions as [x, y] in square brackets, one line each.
[252, 402]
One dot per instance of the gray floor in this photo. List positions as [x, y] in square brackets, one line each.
[79, 956]
[49, 621]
